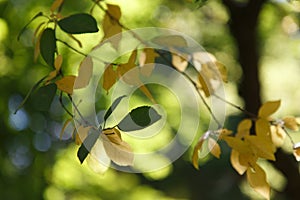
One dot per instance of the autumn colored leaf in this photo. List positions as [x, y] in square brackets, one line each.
[170, 41]
[58, 62]
[85, 73]
[147, 61]
[257, 179]
[237, 144]
[296, 151]
[291, 123]
[214, 148]
[109, 77]
[268, 108]
[66, 84]
[261, 146]
[204, 85]
[278, 135]
[56, 4]
[244, 128]
[262, 128]
[197, 148]
[235, 162]
[179, 62]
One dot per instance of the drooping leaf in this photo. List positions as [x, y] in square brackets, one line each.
[117, 150]
[257, 179]
[42, 99]
[244, 128]
[214, 147]
[262, 128]
[66, 84]
[235, 162]
[262, 146]
[147, 61]
[109, 77]
[296, 151]
[114, 11]
[48, 46]
[87, 145]
[268, 108]
[113, 107]
[204, 85]
[78, 24]
[85, 73]
[139, 118]
[170, 41]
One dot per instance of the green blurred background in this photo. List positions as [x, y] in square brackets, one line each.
[36, 164]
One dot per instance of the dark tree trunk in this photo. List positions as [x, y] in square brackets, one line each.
[243, 26]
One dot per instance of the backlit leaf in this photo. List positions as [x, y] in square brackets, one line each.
[214, 147]
[179, 62]
[296, 151]
[262, 146]
[197, 148]
[291, 123]
[147, 61]
[48, 46]
[113, 107]
[78, 23]
[66, 84]
[204, 85]
[85, 73]
[109, 77]
[244, 128]
[237, 144]
[278, 135]
[139, 118]
[268, 108]
[257, 179]
[235, 162]
[262, 128]
[170, 41]
[114, 11]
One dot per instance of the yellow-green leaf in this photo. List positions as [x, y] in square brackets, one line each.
[257, 179]
[66, 84]
[85, 73]
[268, 108]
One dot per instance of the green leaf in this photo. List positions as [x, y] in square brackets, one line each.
[88, 144]
[48, 46]
[113, 107]
[78, 23]
[42, 99]
[139, 118]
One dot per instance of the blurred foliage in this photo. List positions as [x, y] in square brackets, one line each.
[36, 164]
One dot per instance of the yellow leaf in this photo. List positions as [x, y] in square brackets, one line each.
[58, 62]
[278, 135]
[223, 71]
[117, 150]
[114, 11]
[109, 77]
[261, 146]
[66, 84]
[51, 76]
[247, 159]
[179, 62]
[113, 135]
[268, 108]
[85, 73]
[237, 144]
[291, 123]
[262, 128]
[257, 179]
[234, 159]
[296, 151]
[55, 5]
[170, 41]
[244, 128]
[128, 72]
[147, 93]
[204, 86]
[224, 132]
[147, 61]
[197, 148]
[214, 148]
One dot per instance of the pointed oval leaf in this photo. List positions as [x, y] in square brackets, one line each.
[214, 147]
[291, 123]
[113, 107]
[235, 162]
[78, 24]
[268, 108]
[139, 118]
[48, 46]
[85, 73]
[66, 84]
[257, 179]
[42, 99]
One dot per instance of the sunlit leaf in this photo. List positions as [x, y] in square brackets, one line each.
[78, 23]
[214, 148]
[55, 5]
[296, 151]
[48, 46]
[139, 118]
[117, 150]
[42, 99]
[268, 108]
[237, 144]
[66, 84]
[244, 128]
[262, 146]
[195, 156]
[85, 73]
[147, 61]
[257, 179]
[278, 135]
[262, 128]
[109, 77]
[25, 27]
[113, 107]
[247, 159]
[291, 123]
[224, 132]
[204, 85]
[170, 41]
[87, 144]
[179, 62]
[235, 162]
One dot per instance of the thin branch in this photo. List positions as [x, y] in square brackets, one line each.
[77, 110]
[63, 105]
